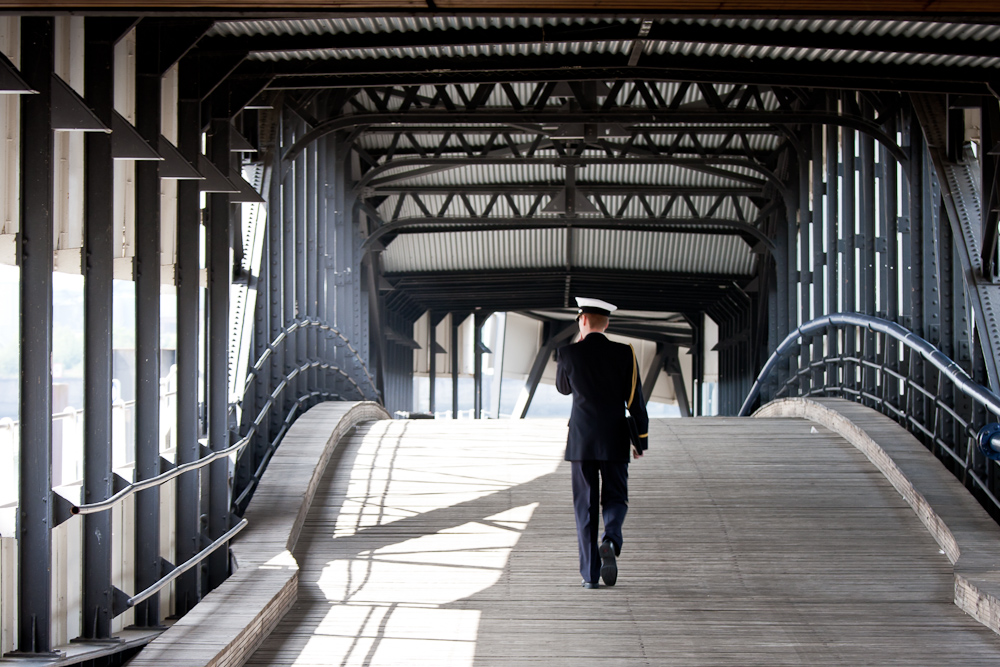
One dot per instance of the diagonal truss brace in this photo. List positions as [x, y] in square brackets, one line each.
[960, 191]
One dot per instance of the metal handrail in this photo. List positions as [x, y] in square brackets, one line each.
[273, 445]
[158, 480]
[291, 328]
[186, 565]
[938, 359]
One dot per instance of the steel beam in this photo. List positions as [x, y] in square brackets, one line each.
[653, 372]
[219, 234]
[146, 267]
[302, 175]
[671, 118]
[434, 319]
[479, 320]
[375, 315]
[709, 226]
[965, 215]
[289, 309]
[554, 335]
[456, 321]
[580, 67]
[35, 513]
[311, 265]
[187, 589]
[98, 307]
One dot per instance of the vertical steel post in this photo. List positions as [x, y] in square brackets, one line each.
[477, 371]
[320, 266]
[478, 322]
[334, 278]
[302, 174]
[187, 538]
[832, 227]
[794, 215]
[375, 313]
[288, 214]
[147, 327]
[219, 273]
[311, 266]
[850, 279]
[819, 306]
[867, 268]
[805, 306]
[276, 284]
[455, 322]
[35, 516]
[698, 363]
[432, 362]
[97, 315]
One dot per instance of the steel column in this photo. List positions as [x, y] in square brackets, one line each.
[219, 273]
[189, 233]
[455, 322]
[831, 233]
[850, 279]
[804, 308]
[478, 321]
[311, 266]
[97, 314]
[433, 320]
[321, 259]
[302, 174]
[288, 190]
[653, 372]
[275, 279]
[147, 328]
[553, 335]
[867, 270]
[35, 516]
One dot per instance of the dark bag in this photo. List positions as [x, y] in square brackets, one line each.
[633, 428]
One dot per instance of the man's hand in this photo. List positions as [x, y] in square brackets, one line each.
[636, 454]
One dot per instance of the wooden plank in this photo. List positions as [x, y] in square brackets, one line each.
[231, 621]
[767, 542]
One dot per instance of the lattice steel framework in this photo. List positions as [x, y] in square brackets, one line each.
[467, 165]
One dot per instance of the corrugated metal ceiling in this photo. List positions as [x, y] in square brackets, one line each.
[591, 249]
[872, 52]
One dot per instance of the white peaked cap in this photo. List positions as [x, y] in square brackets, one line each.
[597, 306]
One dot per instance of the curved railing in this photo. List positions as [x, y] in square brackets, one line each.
[891, 369]
[135, 487]
[254, 370]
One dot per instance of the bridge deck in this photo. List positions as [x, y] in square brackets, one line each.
[748, 542]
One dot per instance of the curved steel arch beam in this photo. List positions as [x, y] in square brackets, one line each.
[648, 117]
[691, 225]
[707, 165]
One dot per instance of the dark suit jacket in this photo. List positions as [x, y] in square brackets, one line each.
[599, 373]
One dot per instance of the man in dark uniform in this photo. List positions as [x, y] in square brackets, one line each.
[604, 379]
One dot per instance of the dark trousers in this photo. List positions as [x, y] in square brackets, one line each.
[612, 494]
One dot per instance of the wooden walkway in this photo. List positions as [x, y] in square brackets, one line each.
[748, 542]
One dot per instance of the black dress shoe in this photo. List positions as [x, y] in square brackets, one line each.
[587, 584]
[609, 568]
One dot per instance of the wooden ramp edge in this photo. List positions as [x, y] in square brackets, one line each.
[228, 625]
[960, 525]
